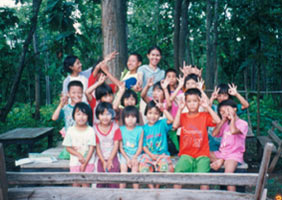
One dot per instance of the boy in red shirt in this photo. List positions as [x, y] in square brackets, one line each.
[194, 145]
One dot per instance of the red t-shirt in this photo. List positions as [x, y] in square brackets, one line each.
[194, 137]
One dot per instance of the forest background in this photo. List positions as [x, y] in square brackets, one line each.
[233, 41]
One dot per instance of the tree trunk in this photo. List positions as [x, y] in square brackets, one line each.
[214, 47]
[6, 109]
[37, 77]
[183, 31]
[114, 33]
[209, 67]
[177, 13]
[258, 91]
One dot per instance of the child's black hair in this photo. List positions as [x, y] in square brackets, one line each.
[223, 89]
[69, 61]
[191, 76]
[130, 111]
[102, 106]
[170, 70]
[153, 48]
[138, 56]
[151, 105]
[193, 91]
[83, 107]
[157, 85]
[103, 90]
[228, 102]
[128, 93]
[75, 83]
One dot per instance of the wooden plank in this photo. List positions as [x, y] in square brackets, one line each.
[275, 159]
[263, 170]
[46, 178]
[263, 140]
[250, 133]
[63, 164]
[25, 133]
[3, 177]
[264, 195]
[65, 193]
[274, 137]
[277, 125]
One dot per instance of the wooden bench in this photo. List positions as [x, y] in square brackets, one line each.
[272, 137]
[54, 179]
[26, 136]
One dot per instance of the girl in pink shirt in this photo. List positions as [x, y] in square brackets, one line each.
[233, 131]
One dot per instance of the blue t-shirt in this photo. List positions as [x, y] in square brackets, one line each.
[148, 72]
[155, 137]
[130, 139]
[66, 114]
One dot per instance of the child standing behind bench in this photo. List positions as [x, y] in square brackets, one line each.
[80, 141]
[194, 146]
[233, 131]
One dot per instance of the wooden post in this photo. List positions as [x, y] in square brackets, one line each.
[263, 171]
[3, 178]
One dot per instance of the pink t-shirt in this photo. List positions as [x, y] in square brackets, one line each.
[175, 103]
[232, 146]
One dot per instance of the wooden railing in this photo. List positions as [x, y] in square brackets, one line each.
[256, 180]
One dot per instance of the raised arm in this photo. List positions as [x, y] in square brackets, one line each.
[176, 121]
[214, 95]
[232, 117]
[105, 69]
[233, 91]
[93, 87]
[206, 106]
[145, 90]
[63, 102]
[216, 130]
[164, 84]
[179, 87]
[117, 100]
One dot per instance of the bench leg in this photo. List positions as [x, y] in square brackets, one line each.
[50, 139]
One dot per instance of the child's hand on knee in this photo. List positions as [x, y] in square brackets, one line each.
[109, 165]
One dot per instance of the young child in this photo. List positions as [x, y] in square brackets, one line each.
[233, 131]
[73, 66]
[65, 109]
[156, 156]
[132, 141]
[125, 97]
[108, 136]
[80, 141]
[221, 93]
[194, 147]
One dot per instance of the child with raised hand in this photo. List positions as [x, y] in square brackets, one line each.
[65, 108]
[80, 141]
[233, 131]
[132, 140]
[108, 135]
[160, 92]
[156, 156]
[125, 97]
[194, 147]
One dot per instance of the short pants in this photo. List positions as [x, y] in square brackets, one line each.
[189, 164]
[162, 164]
[89, 168]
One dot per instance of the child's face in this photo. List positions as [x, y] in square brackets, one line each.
[190, 84]
[130, 120]
[225, 111]
[192, 103]
[107, 98]
[75, 94]
[105, 118]
[222, 97]
[171, 76]
[80, 118]
[153, 116]
[77, 66]
[158, 94]
[130, 101]
[154, 57]
[133, 63]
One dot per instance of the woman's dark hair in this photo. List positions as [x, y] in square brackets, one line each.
[153, 48]
[151, 105]
[193, 91]
[102, 106]
[223, 89]
[83, 107]
[128, 93]
[68, 62]
[228, 102]
[103, 90]
[138, 56]
[130, 111]
[75, 83]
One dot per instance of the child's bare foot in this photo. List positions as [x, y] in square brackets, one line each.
[217, 164]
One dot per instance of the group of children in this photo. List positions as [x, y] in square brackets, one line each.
[129, 124]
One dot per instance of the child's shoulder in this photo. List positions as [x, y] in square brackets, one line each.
[241, 122]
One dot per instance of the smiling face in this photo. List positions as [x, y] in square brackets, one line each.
[154, 57]
[130, 101]
[222, 97]
[192, 103]
[158, 94]
[153, 115]
[107, 98]
[133, 63]
[171, 76]
[77, 66]
[105, 118]
[75, 94]
[130, 121]
[80, 118]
